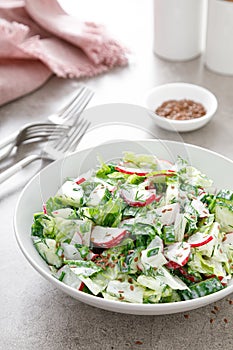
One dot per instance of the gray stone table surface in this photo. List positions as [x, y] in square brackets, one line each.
[35, 315]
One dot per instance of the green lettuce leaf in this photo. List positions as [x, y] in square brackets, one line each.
[108, 214]
[43, 226]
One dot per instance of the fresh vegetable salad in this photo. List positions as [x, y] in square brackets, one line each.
[139, 230]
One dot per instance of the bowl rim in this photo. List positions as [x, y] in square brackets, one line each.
[205, 117]
[112, 305]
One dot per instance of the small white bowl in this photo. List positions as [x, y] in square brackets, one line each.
[180, 91]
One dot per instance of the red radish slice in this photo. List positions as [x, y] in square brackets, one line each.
[82, 285]
[44, 209]
[138, 198]
[157, 199]
[198, 239]
[92, 256]
[172, 265]
[164, 164]
[107, 237]
[83, 177]
[188, 276]
[131, 171]
[222, 279]
[160, 176]
[80, 180]
[178, 253]
[211, 276]
[201, 193]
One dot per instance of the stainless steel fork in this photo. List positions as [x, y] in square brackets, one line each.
[66, 115]
[54, 149]
[37, 132]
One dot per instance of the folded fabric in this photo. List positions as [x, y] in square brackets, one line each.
[38, 39]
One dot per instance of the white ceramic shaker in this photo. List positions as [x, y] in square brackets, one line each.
[179, 28]
[219, 38]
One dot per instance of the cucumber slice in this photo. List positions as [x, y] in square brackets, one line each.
[47, 249]
[202, 289]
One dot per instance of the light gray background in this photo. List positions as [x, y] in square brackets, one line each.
[33, 314]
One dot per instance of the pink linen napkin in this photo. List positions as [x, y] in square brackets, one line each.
[38, 39]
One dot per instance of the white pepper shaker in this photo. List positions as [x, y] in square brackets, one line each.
[219, 39]
[179, 28]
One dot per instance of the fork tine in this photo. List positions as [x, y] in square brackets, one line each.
[65, 114]
[67, 141]
[34, 130]
[77, 136]
[79, 107]
[41, 125]
[43, 134]
[75, 133]
[73, 109]
[62, 115]
[51, 152]
[45, 130]
[66, 144]
[37, 135]
[51, 128]
[37, 128]
[80, 136]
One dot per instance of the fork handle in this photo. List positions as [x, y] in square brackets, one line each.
[17, 167]
[9, 139]
[6, 151]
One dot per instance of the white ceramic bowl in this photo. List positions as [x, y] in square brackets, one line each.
[45, 184]
[179, 91]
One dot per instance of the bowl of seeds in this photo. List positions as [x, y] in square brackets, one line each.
[181, 107]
